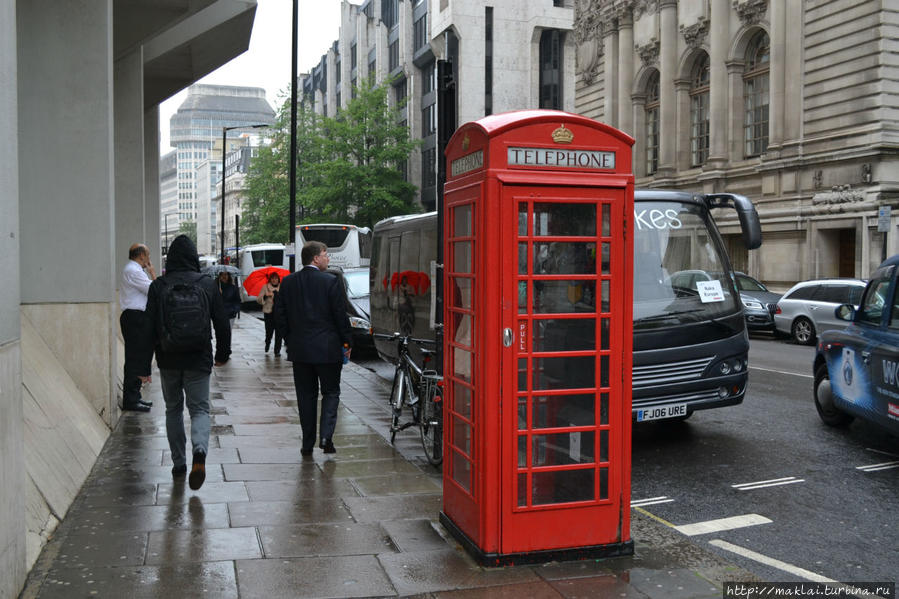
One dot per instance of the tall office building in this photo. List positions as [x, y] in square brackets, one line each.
[529, 63]
[195, 128]
[168, 197]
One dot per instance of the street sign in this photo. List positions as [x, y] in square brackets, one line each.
[883, 219]
[290, 249]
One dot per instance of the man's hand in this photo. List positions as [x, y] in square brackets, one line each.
[150, 270]
[220, 363]
[146, 380]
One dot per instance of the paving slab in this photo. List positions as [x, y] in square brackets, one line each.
[307, 511]
[314, 578]
[202, 545]
[324, 539]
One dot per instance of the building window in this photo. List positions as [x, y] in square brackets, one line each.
[400, 90]
[394, 55]
[551, 69]
[337, 73]
[429, 78]
[652, 124]
[488, 60]
[372, 65]
[429, 120]
[353, 59]
[428, 168]
[390, 10]
[353, 89]
[420, 32]
[699, 111]
[755, 96]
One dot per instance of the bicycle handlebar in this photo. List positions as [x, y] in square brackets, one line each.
[399, 337]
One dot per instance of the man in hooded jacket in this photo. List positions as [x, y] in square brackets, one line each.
[185, 374]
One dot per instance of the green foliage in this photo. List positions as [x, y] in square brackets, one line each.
[347, 168]
[189, 228]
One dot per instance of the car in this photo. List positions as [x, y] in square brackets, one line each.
[856, 368]
[807, 308]
[355, 284]
[759, 304]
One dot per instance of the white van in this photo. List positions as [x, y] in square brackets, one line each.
[348, 245]
[260, 255]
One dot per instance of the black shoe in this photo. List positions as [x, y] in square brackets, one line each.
[327, 446]
[179, 471]
[266, 347]
[198, 472]
[138, 407]
[149, 404]
[305, 452]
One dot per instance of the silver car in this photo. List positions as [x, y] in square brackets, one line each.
[807, 308]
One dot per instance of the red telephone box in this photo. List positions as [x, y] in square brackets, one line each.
[538, 255]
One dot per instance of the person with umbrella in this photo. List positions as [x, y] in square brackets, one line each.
[266, 298]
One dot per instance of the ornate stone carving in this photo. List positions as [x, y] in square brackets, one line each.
[642, 7]
[750, 11]
[696, 33]
[588, 30]
[839, 194]
[624, 12]
[649, 52]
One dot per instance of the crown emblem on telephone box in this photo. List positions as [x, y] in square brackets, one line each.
[562, 135]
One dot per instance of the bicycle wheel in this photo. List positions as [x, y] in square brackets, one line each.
[432, 430]
[397, 397]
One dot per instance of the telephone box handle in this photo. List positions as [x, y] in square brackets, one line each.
[507, 337]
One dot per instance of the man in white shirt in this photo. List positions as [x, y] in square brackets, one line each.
[136, 278]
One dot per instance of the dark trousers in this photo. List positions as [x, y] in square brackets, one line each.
[306, 379]
[134, 332]
[271, 330]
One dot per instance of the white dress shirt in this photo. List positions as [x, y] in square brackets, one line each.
[135, 284]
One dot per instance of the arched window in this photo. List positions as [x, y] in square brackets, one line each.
[652, 124]
[699, 111]
[755, 95]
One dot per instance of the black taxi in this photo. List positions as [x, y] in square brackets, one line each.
[857, 368]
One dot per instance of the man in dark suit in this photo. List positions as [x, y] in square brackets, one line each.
[310, 314]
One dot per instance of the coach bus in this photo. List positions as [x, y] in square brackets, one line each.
[690, 343]
[348, 245]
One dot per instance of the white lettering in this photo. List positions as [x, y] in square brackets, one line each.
[889, 372]
[469, 162]
[657, 219]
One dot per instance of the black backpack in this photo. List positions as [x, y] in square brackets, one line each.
[184, 316]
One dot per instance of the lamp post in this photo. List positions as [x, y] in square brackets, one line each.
[224, 155]
[292, 172]
[167, 243]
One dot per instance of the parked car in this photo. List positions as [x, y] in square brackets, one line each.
[355, 284]
[857, 368]
[807, 308]
[759, 304]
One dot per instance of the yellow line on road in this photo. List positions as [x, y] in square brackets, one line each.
[654, 517]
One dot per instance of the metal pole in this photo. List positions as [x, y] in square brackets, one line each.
[237, 240]
[293, 137]
[446, 125]
[224, 142]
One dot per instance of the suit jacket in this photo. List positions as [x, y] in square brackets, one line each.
[310, 314]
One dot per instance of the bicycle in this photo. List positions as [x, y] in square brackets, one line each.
[419, 388]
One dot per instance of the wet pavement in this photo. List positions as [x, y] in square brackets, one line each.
[268, 523]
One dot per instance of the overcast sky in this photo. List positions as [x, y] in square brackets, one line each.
[266, 63]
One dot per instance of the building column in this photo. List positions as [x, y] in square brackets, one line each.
[720, 34]
[152, 212]
[776, 72]
[66, 188]
[667, 97]
[625, 70]
[610, 70]
[12, 452]
[130, 211]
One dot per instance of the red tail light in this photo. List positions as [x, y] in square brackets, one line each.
[777, 310]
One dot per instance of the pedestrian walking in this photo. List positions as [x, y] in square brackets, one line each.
[310, 313]
[266, 298]
[180, 305]
[137, 276]
[230, 296]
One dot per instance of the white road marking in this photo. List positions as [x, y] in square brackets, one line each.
[892, 455]
[808, 376]
[651, 501]
[877, 467]
[770, 561]
[774, 482]
[709, 526]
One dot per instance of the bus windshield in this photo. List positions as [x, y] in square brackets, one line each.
[681, 273]
[264, 257]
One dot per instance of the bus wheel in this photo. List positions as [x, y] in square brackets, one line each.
[824, 400]
[803, 331]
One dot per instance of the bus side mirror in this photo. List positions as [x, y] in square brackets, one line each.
[845, 312]
[746, 212]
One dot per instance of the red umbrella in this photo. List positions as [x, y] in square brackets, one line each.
[256, 279]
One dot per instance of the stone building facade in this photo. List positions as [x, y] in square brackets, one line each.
[793, 104]
[507, 55]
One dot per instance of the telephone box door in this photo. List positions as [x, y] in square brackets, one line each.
[563, 273]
